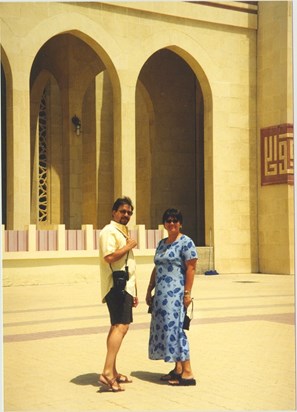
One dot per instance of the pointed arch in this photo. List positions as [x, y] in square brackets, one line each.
[204, 69]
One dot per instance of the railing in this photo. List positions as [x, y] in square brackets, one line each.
[61, 239]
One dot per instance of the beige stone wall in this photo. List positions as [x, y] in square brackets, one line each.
[128, 140]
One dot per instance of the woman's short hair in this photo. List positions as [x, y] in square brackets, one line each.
[122, 201]
[174, 213]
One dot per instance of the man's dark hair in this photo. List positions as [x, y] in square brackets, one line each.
[122, 201]
[173, 213]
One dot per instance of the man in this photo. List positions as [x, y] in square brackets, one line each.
[116, 254]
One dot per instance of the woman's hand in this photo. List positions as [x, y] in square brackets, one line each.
[187, 300]
[148, 298]
[150, 287]
[135, 302]
[190, 274]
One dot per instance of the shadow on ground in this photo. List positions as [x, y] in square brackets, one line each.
[92, 379]
[148, 377]
[86, 379]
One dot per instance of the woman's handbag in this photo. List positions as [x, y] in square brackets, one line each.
[187, 319]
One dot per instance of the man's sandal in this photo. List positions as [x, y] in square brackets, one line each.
[110, 383]
[172, 375]
[123, 378]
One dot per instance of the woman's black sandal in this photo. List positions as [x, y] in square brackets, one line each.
[172, 375]
[179, 381]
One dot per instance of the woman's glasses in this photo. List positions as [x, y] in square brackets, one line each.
[171, 220]
[124, 212]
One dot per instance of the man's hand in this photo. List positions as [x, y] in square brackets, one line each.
[131, 243]
[119, 253]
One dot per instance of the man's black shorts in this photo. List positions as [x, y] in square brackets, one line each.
[120, 307]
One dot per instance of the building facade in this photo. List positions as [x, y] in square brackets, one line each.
[175, 104]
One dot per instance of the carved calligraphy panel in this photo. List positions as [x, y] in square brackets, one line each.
[277, 155]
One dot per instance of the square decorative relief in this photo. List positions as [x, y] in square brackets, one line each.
[277, 155]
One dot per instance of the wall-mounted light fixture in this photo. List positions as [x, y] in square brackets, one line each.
[77, 123]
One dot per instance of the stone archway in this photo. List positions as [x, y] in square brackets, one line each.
[172, 143]
[76, 69]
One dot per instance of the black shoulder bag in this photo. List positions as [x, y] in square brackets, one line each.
[120, 278]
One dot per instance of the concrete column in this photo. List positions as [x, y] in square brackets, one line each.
[18, 148]
[124, 147]
[89, 237]
[141, 237]
[164, 231]
[31, 238]
[275, 108]
[61, 238]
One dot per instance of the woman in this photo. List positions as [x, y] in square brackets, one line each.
[172, 278]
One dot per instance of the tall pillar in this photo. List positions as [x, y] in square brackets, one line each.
[18, 149]
[275, 131]
[125, 145]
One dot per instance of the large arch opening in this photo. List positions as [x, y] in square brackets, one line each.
[170, 143]
[69, 80]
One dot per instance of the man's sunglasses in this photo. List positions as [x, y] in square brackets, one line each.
[124, 212]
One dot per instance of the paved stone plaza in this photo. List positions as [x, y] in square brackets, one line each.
[242, 341]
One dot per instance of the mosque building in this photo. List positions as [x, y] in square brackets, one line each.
[185, 104]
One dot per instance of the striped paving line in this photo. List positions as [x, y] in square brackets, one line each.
[135, 314]
[284, 318]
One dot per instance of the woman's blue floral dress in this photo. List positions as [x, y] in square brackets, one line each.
[168, 340]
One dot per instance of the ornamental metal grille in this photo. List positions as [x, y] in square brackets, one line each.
[42, 166]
